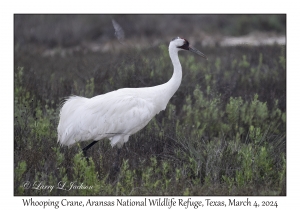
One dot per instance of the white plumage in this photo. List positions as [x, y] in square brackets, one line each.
[118, 114]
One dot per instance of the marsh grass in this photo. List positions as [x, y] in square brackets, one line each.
[223, 132]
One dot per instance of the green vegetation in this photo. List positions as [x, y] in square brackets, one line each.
[223, 133]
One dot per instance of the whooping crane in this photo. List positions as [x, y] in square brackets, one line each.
[118, 114]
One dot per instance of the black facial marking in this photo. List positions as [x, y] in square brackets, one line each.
[185, 45]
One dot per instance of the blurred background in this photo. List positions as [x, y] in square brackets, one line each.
[52, 31]
[80, 47]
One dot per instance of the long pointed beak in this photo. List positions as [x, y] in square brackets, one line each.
[197, 52]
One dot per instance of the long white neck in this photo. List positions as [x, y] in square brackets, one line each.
[174, 83]
[168, 89]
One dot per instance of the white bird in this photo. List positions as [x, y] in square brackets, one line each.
[119, 32]
[118, 114]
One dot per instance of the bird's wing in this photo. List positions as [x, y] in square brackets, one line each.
[120, 112]
[115, 113]
[119, 32]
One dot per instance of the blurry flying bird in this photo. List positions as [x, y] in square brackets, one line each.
[118, 114]
[119, 32]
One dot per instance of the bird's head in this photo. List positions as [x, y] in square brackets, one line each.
[183, 44]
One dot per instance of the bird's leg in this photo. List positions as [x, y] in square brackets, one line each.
[115, 169]
[86, 148]
[117, 161]
[118, 155]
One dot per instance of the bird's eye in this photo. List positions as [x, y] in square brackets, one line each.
[186, 43]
